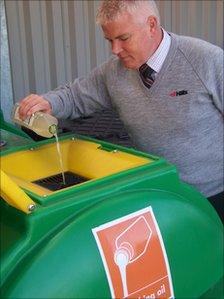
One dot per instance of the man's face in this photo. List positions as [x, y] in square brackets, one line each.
[130, 40]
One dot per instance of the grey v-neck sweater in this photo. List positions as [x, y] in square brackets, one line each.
[180, 118]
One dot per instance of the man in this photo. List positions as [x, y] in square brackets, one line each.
[167, 89]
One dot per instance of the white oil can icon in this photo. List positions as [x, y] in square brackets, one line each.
[131, 244]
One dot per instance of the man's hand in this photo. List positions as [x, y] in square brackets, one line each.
[32, 104]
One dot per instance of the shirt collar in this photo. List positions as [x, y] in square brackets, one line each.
[157, 59]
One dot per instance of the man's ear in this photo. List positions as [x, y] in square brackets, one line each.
[152, 24]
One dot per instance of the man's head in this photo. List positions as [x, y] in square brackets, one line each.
[132, 27]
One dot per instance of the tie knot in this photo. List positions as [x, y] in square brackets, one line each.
[146, 70]
[147, 75]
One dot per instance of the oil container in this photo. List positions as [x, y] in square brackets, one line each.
[122, 226]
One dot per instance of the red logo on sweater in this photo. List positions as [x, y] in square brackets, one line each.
[178, 93]
[173, 94]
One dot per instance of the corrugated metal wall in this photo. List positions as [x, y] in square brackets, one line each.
[52, 42]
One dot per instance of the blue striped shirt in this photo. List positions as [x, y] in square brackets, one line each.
[157, 59]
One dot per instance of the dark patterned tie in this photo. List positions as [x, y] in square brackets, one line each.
[147, 75]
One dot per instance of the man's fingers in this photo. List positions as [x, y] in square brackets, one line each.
[38, 106]
[32, 104]
[26, 104]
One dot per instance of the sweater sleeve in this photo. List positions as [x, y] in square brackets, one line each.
[213, 77]
[82, 97]
[207, 61]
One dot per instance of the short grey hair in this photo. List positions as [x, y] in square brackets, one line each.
[111, 10]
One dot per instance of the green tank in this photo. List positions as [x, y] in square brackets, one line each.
[122, 224]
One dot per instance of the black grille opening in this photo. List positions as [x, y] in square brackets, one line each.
[55, 182]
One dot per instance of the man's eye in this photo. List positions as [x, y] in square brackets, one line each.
[109, 40]
[124, 38]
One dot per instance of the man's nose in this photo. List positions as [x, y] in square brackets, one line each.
[116, 47]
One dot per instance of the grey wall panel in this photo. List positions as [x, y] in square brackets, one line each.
[45, 46]
[102, 47]
[67, 40]
[82, 36]
[59, 45]
[36, 45]
[219, 24]
[53, 42]
[202, 19]
[165, 9]
[6, 97]
[17, 49]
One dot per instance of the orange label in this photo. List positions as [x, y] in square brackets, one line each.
[134, 257]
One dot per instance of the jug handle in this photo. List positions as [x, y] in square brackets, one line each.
[14, 195]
